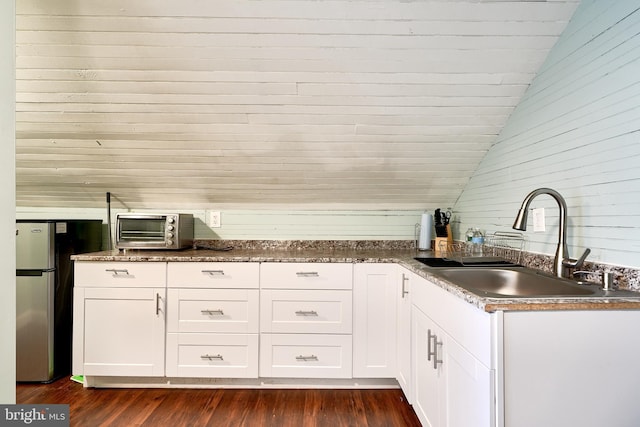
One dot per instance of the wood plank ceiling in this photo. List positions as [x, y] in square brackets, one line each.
[194, 103]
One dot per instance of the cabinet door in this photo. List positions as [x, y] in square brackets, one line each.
[123, 331]
[403, 373]
[374, 334]
[426, 378]
[468, 389]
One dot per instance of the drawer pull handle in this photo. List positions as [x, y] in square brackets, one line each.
[118, 272]
[306, 313]
[307, 274]
[214, 272]
[219, 312]
[211, 357]
[312, 358]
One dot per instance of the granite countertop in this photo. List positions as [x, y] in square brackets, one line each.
[401, 256]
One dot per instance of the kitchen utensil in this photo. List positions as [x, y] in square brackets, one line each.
[446, 217]
[437, 217]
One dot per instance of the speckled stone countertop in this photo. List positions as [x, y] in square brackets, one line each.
[399, 252]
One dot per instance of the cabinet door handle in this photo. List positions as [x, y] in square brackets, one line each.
[214, 272]
[404, 290]
[219, 312]
[433, 351]
[306, 313]
[118, 272]
[429, 351]
[312, 358]
[307, 274]
[211, 357]
[158, 299]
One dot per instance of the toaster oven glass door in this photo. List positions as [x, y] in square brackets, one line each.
[147, 230]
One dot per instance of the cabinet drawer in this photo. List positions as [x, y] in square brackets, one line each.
[212, 355]
[305, 356]
[213, 274]
[213, 310]
[120, 274]
[310, 311]
[306, 276]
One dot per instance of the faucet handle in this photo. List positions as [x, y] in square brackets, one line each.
[576, 263]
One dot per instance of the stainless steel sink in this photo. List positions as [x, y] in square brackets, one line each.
[523, 283]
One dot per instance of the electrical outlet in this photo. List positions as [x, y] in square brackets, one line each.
[213, 219]
[538, 219]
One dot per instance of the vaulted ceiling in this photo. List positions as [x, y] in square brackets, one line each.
[292, 102]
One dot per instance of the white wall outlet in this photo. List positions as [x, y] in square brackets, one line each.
[538, 219]
[213, 219]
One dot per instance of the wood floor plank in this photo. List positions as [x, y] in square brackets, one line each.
[223, 407]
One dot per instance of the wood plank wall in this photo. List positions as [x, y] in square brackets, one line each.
[193, 103]
[577, 130]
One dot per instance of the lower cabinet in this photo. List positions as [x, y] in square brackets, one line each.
[452, 388]
[119, 319]
[403, 342]
[451, 375]
[375, 291]
[570, 368]
[123, 331]
[306, 320]
[428, 375]
[212, 320]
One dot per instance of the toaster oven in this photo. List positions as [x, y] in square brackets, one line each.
[154, 231]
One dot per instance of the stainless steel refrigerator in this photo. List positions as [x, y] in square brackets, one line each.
[44, 293]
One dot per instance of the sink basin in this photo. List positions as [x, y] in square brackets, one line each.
[520, 282]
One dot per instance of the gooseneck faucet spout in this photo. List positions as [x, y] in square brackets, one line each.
[562, 263]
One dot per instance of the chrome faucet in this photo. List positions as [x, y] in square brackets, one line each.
[562, 263]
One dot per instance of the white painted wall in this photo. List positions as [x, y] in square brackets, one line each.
[577, 130]
[7, 204]
[273, 224]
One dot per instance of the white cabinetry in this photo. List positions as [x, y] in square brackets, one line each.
[212, 320]
[375, 292]
[119, 319]
[403, 341]
[306, 320]
[570, 368]
[452, 378]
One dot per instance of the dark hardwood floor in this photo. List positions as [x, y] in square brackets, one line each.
[222, 407]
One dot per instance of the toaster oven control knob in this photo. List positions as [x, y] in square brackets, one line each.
[171, 220]
[169, 242]
[170, 235]
[170, 227]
